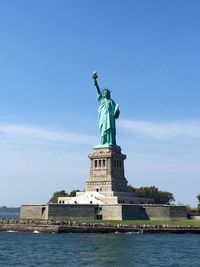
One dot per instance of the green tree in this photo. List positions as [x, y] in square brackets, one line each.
[54, 198]
[160, 197]
[73, 193]
[131, 189]
[198, 197]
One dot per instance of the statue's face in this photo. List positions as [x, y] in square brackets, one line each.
[107, 95]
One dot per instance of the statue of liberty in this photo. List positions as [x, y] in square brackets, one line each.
[108, 112]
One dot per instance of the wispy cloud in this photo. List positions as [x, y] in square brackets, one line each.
[155, 130]
[163, 130]
[44, 134]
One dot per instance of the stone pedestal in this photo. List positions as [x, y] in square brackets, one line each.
[106, 184]
[106, 171]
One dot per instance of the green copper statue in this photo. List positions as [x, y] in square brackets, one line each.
[108, 111]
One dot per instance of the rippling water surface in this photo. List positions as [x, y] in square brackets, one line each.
[56, 250]
[9, 215]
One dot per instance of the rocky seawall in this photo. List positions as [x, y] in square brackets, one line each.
[29, 228]
[33, 228]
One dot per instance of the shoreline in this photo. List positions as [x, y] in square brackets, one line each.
[31, 228]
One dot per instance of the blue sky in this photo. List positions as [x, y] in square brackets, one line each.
[146, 52]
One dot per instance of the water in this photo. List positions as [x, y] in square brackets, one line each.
[98, 250]
[9, 215]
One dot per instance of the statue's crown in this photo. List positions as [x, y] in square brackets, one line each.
[104, 90]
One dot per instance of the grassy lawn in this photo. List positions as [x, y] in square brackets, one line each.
[148, 222]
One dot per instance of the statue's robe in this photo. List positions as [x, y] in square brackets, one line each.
[108, 111]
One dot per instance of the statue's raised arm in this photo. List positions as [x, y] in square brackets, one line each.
[95, 76]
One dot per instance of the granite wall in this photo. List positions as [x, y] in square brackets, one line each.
[105, 212]
[165, 212]
[72, 211]
[111, 212]
[34, 212]
[133, 212]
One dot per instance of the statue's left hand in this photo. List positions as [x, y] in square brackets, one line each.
[116, 116]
